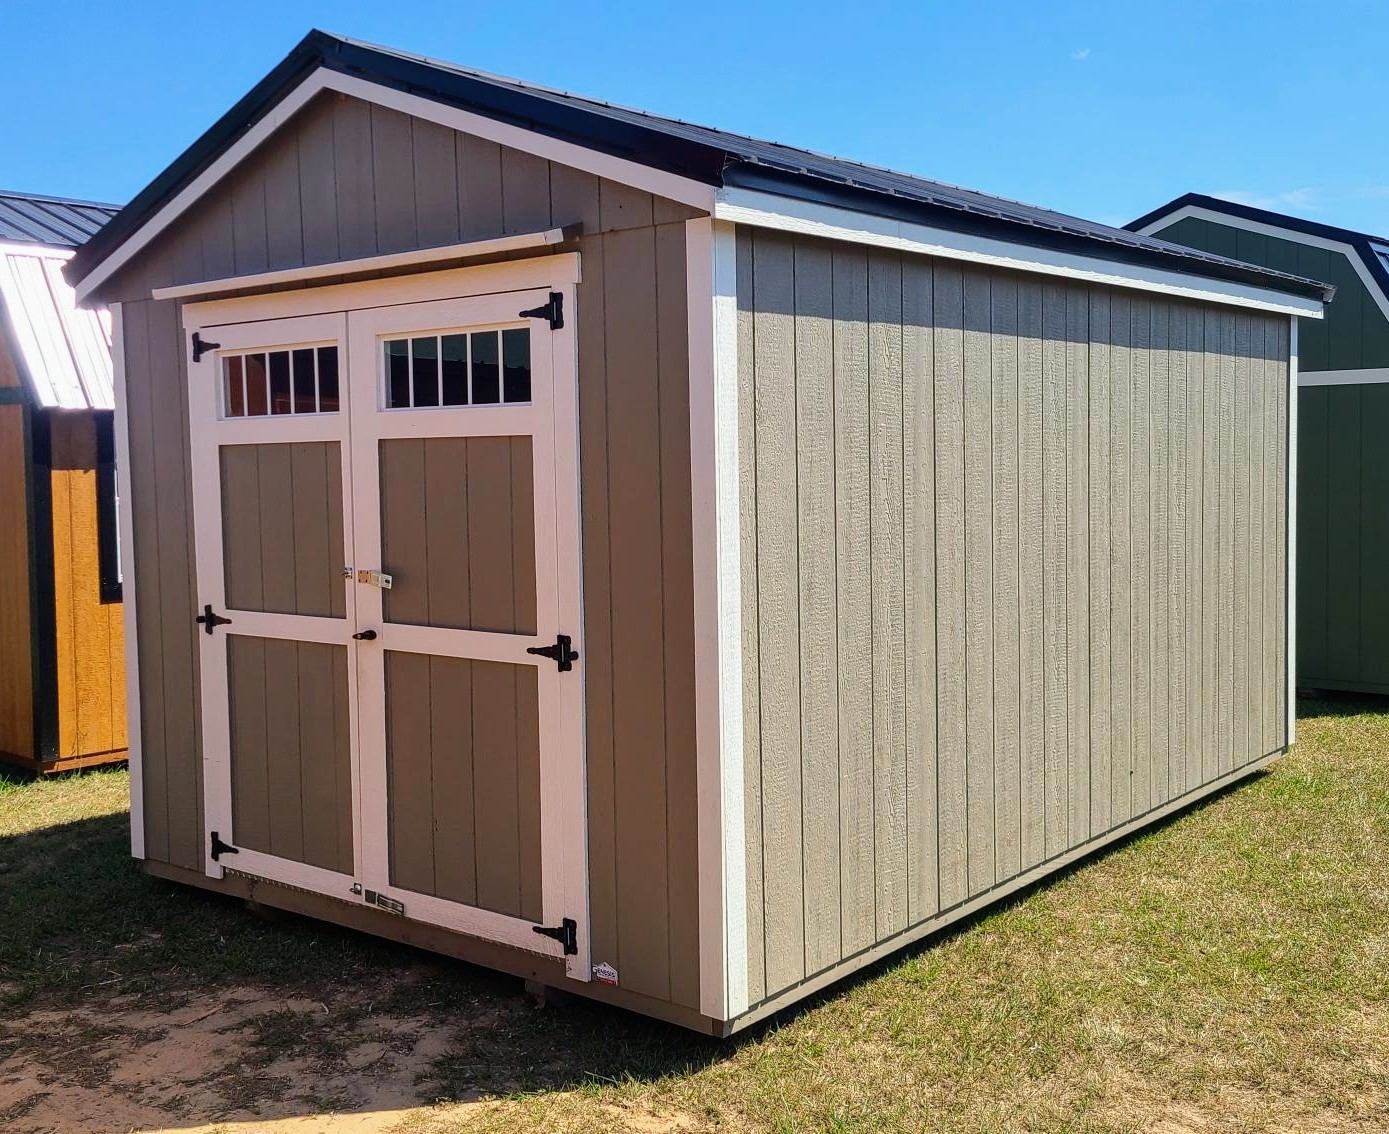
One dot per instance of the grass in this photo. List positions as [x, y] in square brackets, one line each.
[1227, 971]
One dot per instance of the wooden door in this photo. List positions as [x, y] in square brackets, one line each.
[272, 521]
[466, 557]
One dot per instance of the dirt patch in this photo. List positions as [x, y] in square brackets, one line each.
[234, 1060]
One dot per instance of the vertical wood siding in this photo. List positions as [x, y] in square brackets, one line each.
[89, 642]
[463, 764]
[344, 179]
[1013, 559]
[16, 628]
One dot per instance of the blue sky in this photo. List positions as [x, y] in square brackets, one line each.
[1100, 109]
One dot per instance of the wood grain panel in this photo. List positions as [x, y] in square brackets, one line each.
[463, 759]
[16, 636]
[458, 533]
[282, 528]
[291, 768]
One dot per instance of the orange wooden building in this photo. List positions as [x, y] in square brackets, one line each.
[62, 649]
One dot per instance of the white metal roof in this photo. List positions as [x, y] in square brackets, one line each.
[63, 351]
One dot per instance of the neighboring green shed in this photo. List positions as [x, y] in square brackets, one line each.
[1343, 427]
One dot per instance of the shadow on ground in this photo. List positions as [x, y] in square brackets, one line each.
[173, 1007]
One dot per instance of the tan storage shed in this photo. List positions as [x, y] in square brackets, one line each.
[670, 566]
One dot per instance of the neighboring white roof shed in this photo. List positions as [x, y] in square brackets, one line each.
[63, 351]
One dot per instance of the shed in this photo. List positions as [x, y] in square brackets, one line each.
[673, 567]
[1342, 498]
[62, 679]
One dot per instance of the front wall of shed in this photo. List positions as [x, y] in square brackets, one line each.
[345, 179]
[16, 622]
[1013, 576]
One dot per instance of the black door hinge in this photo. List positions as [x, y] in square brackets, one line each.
[200, 347]
[566, 933]
[553, 311]
[210, 621]
[562, 652]
[219, 848]
[390, 905]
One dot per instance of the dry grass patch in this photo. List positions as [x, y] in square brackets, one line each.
[1226, 972]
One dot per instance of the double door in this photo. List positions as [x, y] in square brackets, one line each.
[386, 518]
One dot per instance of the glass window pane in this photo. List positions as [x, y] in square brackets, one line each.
[279, 381]
[304, 400]
[486, 369]
[257, 395]
[235, 401]
[516, 365]
[327, 379]
[397, 374]
[454, 369]
[426, 370]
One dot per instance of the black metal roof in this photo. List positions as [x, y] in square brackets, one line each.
[713, 157]
[59, 222]
[1366, 244]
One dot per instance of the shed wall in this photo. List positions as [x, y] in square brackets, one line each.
[346, 179]
[16, 622]
[89, 639]
[1343, 465]
[1013, 576]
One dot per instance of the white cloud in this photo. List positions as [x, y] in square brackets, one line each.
[1304, 198]
[1081, 54]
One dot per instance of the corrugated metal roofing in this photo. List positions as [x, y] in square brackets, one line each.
[63, 351]
[59, 222]
[713, 157]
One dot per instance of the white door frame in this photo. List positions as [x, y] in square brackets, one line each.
[564, 853]
[209, 430]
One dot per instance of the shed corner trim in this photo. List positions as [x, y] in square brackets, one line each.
[711, 288]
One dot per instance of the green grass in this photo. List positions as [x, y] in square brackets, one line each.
[1227, 971]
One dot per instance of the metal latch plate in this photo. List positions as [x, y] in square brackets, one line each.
[375, 579]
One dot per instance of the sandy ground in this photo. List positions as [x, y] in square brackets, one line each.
[203, 1068]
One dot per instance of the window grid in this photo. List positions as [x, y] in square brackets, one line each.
[238, 389]
[507, 384]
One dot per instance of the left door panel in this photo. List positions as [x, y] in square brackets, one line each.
[272, 517]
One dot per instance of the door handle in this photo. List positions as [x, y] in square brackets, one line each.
[365, 636]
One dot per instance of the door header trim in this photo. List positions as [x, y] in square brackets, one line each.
[481, 279]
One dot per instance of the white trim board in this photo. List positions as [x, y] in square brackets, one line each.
[1366, 377]
[125, 523]
[685, 190]
[745, 206]
[1215, 216]
[390, 262]
[711, 288]
[1290, 612]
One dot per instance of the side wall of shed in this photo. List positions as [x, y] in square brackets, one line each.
[346, 179]
[1343, 464]
[1014, 563]
[16, 600]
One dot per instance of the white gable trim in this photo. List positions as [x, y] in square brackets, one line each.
[1215, 216]
[693, 193]
[744, 206]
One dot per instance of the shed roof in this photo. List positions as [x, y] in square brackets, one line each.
[59, 222]
[713, 157]
[1371, 250]
[63, 351]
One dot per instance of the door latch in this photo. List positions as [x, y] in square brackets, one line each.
[375, 579]
[566, 933]
[380, 901]
[561, 653]
[209, 621]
